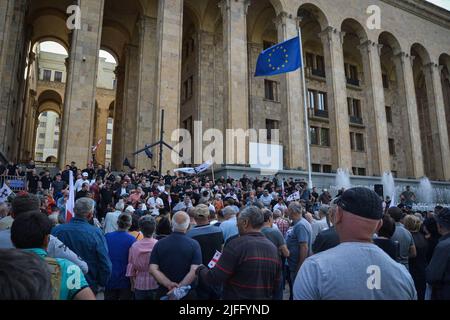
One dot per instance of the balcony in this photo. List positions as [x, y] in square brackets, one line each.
[318, 73]
[318, 114]
[353, 82]
[356, 120]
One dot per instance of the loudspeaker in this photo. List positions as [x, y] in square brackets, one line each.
[378, 188]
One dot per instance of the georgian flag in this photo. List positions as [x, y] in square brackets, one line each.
[5, 192]
[214, 260]
[94, 148]
[70, 205]
[197, 170]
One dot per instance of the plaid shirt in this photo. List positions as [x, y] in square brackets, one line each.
[249, 269]
[283, 225]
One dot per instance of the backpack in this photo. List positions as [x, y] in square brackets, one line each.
[56, 276]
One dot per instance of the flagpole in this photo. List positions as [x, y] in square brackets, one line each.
[305, 105]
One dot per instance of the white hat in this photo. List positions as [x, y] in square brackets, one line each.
[85, 174]
[130, 209]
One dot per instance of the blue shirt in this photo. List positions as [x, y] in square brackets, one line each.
[301, 232]
[119, 244]
[72, 278]
[229, 228]
[175, 255]
[89, 243]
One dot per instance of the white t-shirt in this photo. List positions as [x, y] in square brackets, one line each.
[154, 205]
[353, 271]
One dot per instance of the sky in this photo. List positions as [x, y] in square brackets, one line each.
[442, 3]
[57, 48]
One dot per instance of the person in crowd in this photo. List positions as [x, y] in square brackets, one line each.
[175, 258]
[134, 230]
[229, 226]
[384, 238]
[81, 181]
[155, 203]
[280, 205]
[88, 242]
[408, 197]
[321, 224]
[249, 267]
[163, 228]
[33, 182]
[31, 232]
[84, 192]
[184, 205]
[298, 239]
[24, 276]
[58, 185]
[144, 285]
[418, 264]
[119, 243]
[266, 198]
[352, 270]
[430, 230]
[25, 202]
[438, 271]
[110, 223]
[6, 220]
[46, 181]
[403, 237]
[325, 197]
[280, 221]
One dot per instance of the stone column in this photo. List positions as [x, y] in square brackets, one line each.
[146, 97]
[376, 107]
[292, 101]
[236, 103]
[79, 102]
[408, 103]
[205, 88]
[168, 74]
[332, 40]
[101, 128]
[130, 101]
[117, 152]
[438, 121]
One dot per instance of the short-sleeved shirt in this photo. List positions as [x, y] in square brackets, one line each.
[46, 182]
[119, 244]
[210, 239]
[301, 232]
[70, 275]
[405, 240]
[274, 235]
[175, 254]
[353, 271]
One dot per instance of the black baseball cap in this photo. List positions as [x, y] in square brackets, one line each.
[362, 202]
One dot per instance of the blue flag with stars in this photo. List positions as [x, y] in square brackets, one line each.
[281, 58]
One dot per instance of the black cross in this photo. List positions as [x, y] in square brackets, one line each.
[4, 194]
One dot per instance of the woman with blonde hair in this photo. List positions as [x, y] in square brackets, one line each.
[418, 264]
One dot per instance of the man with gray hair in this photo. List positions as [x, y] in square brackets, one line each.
[229, 226]
[87, 242]
[175, 258]
[250, 267]
[321, 224]
[110, 222]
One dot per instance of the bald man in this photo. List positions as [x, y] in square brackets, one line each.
[357, 269]
[175, 258]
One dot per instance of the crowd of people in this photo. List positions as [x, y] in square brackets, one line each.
[143, 236]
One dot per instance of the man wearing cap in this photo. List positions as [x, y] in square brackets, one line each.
[80, 182]
[438, 271]
[357, 269]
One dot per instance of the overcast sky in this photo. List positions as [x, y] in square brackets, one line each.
[57, 48]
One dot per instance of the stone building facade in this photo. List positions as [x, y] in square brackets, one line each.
[378, 98]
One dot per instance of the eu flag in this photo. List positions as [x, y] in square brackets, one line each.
[281, 58]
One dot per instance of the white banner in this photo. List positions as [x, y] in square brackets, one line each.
[5, 192]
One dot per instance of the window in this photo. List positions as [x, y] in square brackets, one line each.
[320, 62]
[357, 142]
[385, 81]
[43, 124]
[392, 147]
[389, 114]
[271, 90]
[395, 174]
[58, 76]
[41, 135]
[55, 144]
[354, 111]
[312, 98]
[44, 114]
[47, 75]
[351, 73]
[316, 167]
[322, 101]
[108, 141]
[309, 60]
[320, 136]
[325, 137]
[271, 125]
[361, 171]
[188, 88]
[109, 131]
[56, 133]
[267, 44]
[326, 168]
[314, 132]
[41, 146]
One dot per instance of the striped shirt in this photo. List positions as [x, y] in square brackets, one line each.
[139, 264]
[249, 269]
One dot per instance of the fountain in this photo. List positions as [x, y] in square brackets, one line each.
[425, 192]
[389, 185]
[343, 179]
